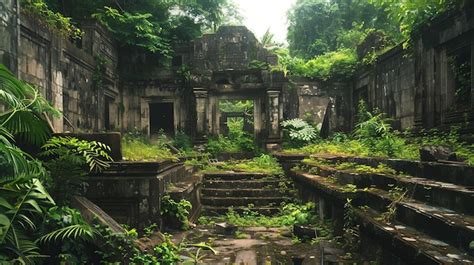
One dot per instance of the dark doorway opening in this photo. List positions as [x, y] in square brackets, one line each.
[162, 118]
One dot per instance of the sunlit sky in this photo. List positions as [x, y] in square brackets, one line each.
[259, 15]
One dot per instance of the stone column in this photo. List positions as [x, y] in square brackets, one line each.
[9, 34]
[201, 113]
[273, 115]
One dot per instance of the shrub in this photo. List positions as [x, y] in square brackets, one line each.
[176, 210]
[299, 131]
[338, 64]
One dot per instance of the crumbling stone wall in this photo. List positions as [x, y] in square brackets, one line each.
[315, 101]
[416, 86]
[389, 86]
[68, 74]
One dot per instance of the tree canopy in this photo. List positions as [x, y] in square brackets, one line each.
[320, 26]
[154, 25]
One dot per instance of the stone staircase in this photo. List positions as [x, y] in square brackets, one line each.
[432, 224]
[225, 190]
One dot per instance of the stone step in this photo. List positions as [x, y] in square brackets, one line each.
[422, 246]
[234, 176]
[242, 201]
[240, 192]
[450, 173]
[440, 223]
[448, 195]
[222, 210]
[409, 243]
[241, 184]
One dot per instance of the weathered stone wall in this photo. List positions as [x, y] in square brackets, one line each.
[314, 100]
[416, 87]
[231, 47]
[389, 86]
[9, 11]
[68, 74]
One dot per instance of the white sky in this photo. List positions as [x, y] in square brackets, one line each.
[259, 15]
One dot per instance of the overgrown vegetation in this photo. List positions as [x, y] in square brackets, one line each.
[265, 164]
[237, 139]
[30, 223]
[298, 132]
[137, 147]
[152, 25]
[374, 136]
[176, 212]
[290, 214]
[54, 20]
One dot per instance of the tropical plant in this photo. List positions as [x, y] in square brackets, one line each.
[25, 109]
[411, 15]
[53, 20]
[24, 201]
[135, 29]
[66, 158]
[299, 131]
[176, 211]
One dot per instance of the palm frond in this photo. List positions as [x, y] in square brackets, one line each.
[25, 108]
[76, 232]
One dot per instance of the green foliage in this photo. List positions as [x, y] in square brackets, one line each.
[258, 65]
[182, 141]
[244, 106]
[23, 203]
[53, 20]
[264, 164]
[318, 26]
[153, 25]
[25, 109]
[351, 236]
[70, 235]
[290, 214]
[176, 210]
[412, 15]
[299, 132]
[339, 64]
[23, 198]
[91, 153]
[66, 158]
[135, 29]
[136, 147]
[236, 141]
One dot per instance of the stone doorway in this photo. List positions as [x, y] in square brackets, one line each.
[162, 118]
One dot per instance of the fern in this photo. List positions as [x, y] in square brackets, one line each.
[94, 153]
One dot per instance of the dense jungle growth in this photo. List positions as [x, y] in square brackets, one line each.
[41, 174]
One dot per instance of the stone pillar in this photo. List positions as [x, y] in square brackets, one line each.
[201, 113]
[273, 118]
[9, 34]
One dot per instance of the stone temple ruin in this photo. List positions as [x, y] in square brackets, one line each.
[99, 86]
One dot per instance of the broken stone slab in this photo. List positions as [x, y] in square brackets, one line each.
[431, 153]
[226, 228]
[93, 214]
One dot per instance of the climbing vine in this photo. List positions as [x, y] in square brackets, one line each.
[53, 20]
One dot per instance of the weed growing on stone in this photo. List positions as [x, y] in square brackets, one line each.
[373, 136]
[136, 147]
[264, 164]
[290, 214]
[177, 211]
